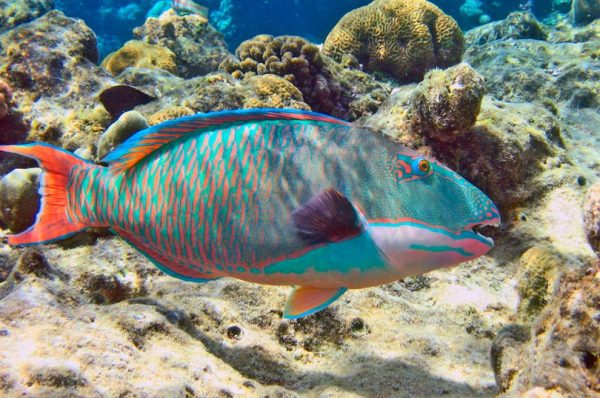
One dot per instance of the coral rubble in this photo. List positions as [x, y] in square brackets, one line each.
[403, 39]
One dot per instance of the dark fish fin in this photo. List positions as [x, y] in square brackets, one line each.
[149, 140]
[306, 300]
[327, 217]
[121, 98]
[163, 263]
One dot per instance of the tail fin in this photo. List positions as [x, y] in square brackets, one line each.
[52, 222]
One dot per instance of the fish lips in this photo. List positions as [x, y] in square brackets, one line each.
[482, 229]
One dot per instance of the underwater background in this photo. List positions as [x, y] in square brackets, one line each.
[504, 92]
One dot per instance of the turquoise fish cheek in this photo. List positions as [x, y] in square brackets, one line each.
[352, 258]
[414, 248]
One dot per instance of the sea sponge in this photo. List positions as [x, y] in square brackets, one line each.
[5, 98]
[401, 38]
[591, 216]
[140, 55]
[171, 113]
[271, 91]
[294, 59]
[540, 269]
[447, 102]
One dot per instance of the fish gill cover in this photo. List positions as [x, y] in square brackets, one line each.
[344, 147]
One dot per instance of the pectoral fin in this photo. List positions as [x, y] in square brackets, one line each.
[306, 300]
[327, 217]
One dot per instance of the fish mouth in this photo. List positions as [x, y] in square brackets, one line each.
[484, 229]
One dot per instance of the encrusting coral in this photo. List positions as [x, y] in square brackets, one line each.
[141, 55]
[401, 38]
[5, 98]
[170, 113]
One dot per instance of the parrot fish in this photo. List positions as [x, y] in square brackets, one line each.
[189, 7]
[270, 196]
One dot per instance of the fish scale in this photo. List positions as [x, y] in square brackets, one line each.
[281, 197]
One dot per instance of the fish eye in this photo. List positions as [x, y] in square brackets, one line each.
[422, 166]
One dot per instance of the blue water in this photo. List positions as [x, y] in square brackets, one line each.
[239, 20]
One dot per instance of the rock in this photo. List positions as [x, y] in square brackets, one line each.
[5, 99]
[403, 39]
[198, 47]
[120, 99]
[19, 198]
[518, 25]
[547, 72]
[127, 125]
[16, 12]
[585, 11]
[447, 102]
[540, 269]
[271, 91]
[140, 55]
[50, 63]
[591, 217]
[563, 353]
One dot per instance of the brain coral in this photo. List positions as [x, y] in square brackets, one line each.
[398, 37]
[141, 55]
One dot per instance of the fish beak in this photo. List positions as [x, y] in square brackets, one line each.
[485, 228]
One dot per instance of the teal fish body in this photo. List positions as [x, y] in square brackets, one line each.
[271, 196]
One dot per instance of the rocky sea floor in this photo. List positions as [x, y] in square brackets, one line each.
[91, 317]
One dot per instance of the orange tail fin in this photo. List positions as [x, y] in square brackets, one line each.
[52, 222]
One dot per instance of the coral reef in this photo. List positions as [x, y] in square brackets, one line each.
[403, 39]
[447, 102]
[325, 86]
[140, 55]
[591, 216]
[540, 268]
[5, 99]
[198, 47]
[19, 199]
[127, 125]
[50, 64]
[13, 13]
[585, 11]
[562, 354]
[517, 25]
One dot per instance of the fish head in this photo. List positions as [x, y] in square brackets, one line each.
[436, 221]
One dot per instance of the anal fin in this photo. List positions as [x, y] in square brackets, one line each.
[306, 300]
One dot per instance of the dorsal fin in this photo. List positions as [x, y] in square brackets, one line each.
[149, 140]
